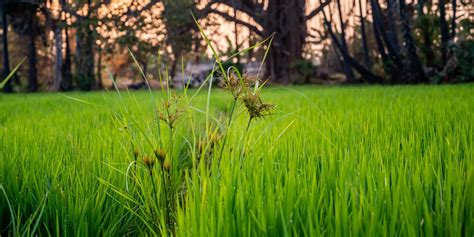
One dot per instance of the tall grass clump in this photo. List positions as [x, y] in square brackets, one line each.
[176, 151]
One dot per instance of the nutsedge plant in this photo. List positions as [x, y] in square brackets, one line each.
[240, 86]
[167, 182]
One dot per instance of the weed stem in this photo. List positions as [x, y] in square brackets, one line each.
[154, 189]
[242, 152]
[234, 103]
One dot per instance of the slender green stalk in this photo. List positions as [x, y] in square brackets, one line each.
[231, 115]
[242, 151]
[154, 190]
[170, 183]
[248, 125]
[165, 191]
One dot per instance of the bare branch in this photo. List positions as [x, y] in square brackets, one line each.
[364, 72]
[246, 6]
[147, 7]
[228, 17]
[317, 10]
[321, 34]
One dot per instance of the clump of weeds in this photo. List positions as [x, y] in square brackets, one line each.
[158, 169]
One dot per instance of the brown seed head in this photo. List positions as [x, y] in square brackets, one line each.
[149, 162]
[238, 86]
[172, 111]
[136, 153]
[167, 165]
[255, 107]
[160, 154]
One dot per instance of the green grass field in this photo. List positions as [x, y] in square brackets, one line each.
[334, 161]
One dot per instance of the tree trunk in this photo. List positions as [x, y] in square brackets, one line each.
[413, 69]
[84, 56]
[66, 83]
[347, 68]
[379, 42]
[173, 68]
[236, 34]
[392, 19]
[32, 77]
[365, 47]
[393, 53]
[443, 24]
[453, 20]
[58, 76]
[427, 48]
[145, 67]
[85, 50]
[386, 61]
[6, 64]
[364, 72]
[99, 85]
[285, 18]
[392, 64]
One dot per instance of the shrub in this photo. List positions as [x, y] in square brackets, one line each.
[302, 71]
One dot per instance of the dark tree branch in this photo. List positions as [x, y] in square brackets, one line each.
[346, 66]
[6, 64]
[378, 20]
[453, 20]
[365, 46]
[366, 73]
[228, 17]
[443, 24]
[317, 10]
[147, 7]
[248, 7]
[321, 34]
[413, 68]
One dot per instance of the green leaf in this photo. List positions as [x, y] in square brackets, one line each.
[11, 74]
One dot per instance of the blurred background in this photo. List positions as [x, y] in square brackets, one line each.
[82, 44]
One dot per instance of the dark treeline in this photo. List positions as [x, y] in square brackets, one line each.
[412, 43]
[68, 42]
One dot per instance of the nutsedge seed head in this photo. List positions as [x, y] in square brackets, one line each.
[238, 86]
[172, 111]
[255, 107]
[160, 154]
[149, 162]
[167, 165]
[247, 90]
